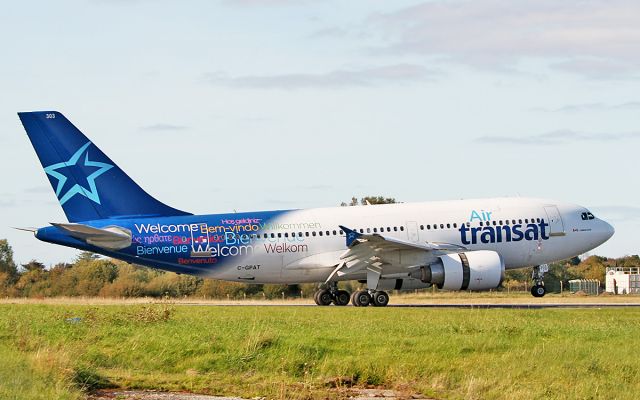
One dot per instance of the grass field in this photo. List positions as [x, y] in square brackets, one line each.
[301, 352]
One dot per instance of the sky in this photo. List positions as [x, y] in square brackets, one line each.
[222, 105]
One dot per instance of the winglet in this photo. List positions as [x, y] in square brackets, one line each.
[352, 236]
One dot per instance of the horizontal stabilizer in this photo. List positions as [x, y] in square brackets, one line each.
[110, 237]
[34, 230]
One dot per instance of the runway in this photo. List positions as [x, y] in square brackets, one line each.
[520, 305]
[532, 306]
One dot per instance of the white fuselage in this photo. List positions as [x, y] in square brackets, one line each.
[305, 245]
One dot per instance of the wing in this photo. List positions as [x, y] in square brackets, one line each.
[370, 252]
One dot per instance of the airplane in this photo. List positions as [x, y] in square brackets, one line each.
[454, 245]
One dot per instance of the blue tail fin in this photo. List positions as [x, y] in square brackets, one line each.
[87, 183]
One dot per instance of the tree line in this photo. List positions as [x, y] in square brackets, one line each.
[92, 275]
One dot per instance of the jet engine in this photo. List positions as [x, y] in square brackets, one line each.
[471, 270]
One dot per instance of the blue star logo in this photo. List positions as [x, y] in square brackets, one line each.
[92, 192]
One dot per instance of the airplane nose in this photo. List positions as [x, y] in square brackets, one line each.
[609, 230]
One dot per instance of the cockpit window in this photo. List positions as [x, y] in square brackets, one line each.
[587, 216]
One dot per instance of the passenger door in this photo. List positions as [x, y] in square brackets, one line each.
[556, 227]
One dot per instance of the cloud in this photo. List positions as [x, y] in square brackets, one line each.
[330, 32]
[266, 3]
[397, 73]
[613, 213]
[163, 128]
[558, 137]
[590, 107]
[589, 37]
[7, 202]
[37, 189]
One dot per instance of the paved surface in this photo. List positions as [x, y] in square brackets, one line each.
[152, 395]
[356, 394]
[445, 305]
[520, 305]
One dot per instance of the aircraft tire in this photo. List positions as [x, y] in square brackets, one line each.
[380, 299]
[341, 298]
[361, 298]
[538, 291]
[324, 298]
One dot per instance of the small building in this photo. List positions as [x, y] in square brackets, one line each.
[588, 286]
[623, 280]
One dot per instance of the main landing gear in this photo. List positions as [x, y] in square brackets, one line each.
[360, 298]
[538, 289]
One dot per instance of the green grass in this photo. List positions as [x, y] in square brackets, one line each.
[292, 352]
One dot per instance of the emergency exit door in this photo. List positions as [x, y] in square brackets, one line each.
[412, 231]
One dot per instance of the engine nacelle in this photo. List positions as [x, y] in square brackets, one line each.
[471, 270]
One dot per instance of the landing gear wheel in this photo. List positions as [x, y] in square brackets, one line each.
[361, 298]
[538, 291]
[323, 297]
[341, 298]
[380, 299]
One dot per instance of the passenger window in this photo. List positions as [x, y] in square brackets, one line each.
[361, 230]
[273, 235]
[402, 228]
[279, 235]
[519, 221]
[455, 225]
[481, 223]
[299, 234]
[306, 234]
[428, 226]
[388, 229]
[286, 234]
[313, 233]
[494, 223]
[375, 230]
[368, 230]
[448, 226]
[334, 233]
[395, 229]
[421, 227]
[342, 233]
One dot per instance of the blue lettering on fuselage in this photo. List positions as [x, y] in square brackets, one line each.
[503, 233]
[480, 216]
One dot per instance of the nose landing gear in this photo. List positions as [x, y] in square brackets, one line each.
[538, 289]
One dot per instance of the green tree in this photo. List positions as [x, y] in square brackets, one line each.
[369, 200]
[7, 265]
